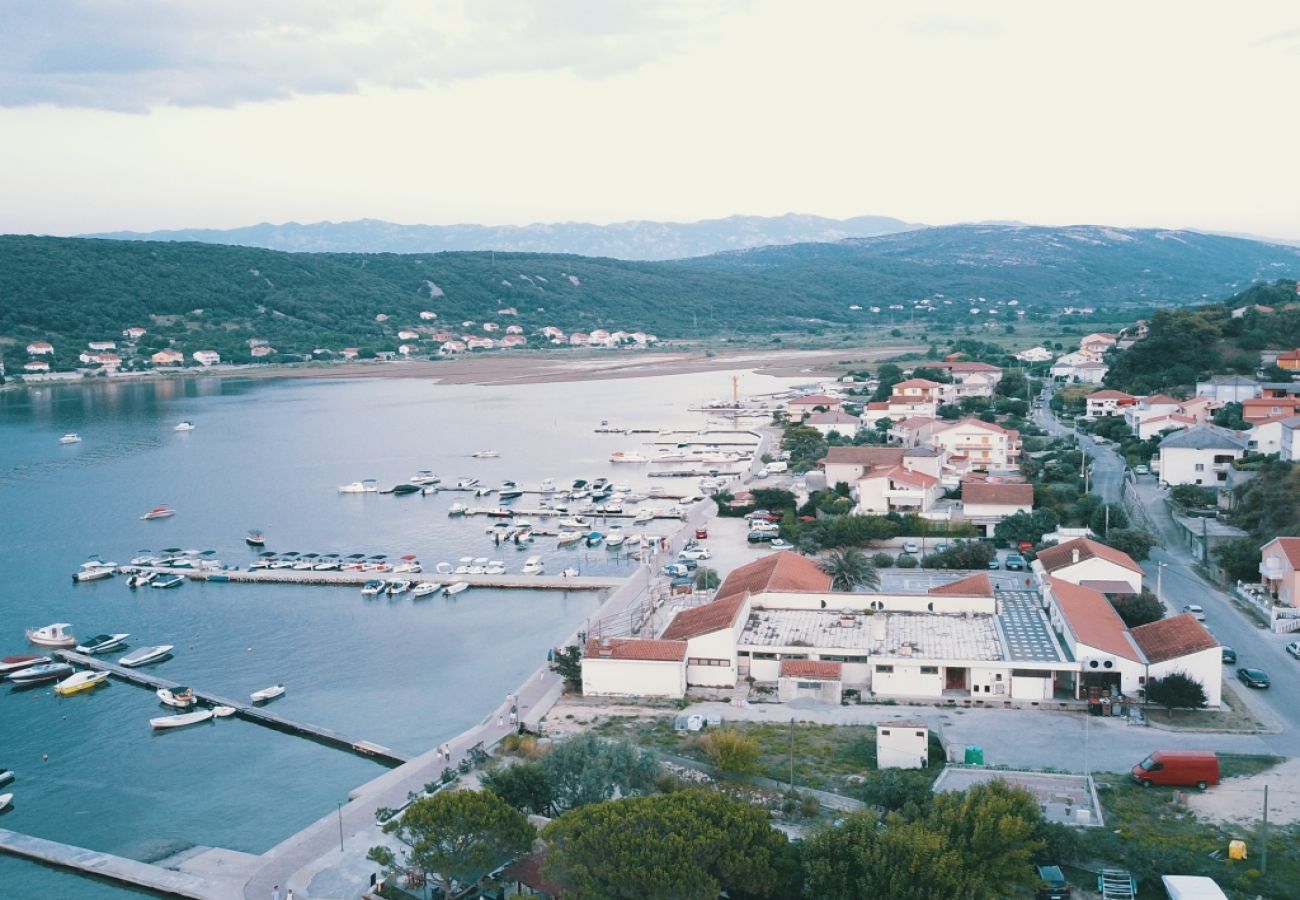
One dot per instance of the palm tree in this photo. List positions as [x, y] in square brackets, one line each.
[850, 569]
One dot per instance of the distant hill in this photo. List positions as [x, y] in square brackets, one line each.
[195, 295]
[622, 240]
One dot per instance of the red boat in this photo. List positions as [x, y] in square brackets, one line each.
[159, 512]
[14, 663]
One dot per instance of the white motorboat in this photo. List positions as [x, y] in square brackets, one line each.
[93, 570]
[180, 721]
[457, 509]
[5, 800]
[428, 489]
[570, 572]
[140, 579]
[398, 586]
[163, 582]
[643, 515]
[408, 566]
[82, 681]
[265, 694]
[533, 566]
[618, 456]
[184, 426]
[425, 477]
[368, 486]
[70, 438]
[36, 674]
[372, 587]
[574, 522]
[614, 539]
[6, 776]
[485, 454]
[24, 661]
[565, 538]
[443, 568]
[57, 635]
[102, 643]
[180, 697]
[465, 483]
[222, 712]
[548, 485]
[425, 588]
[145, 655]
[496, 567]
[455, 588]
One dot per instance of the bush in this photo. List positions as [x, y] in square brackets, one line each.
[882, 560]
[906, 562]
[731, 751]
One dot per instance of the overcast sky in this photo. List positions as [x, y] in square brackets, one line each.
[146, 114]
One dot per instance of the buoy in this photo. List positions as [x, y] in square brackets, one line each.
[45, 757]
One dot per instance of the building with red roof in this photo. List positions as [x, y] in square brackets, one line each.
[1279, 569]
[889, 489]
[1180, 644]
[1089, 563]
[634, 667]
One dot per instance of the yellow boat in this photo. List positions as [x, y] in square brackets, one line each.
[82, 681]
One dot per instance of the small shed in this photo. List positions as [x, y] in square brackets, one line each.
[902, 744]
[810, 679]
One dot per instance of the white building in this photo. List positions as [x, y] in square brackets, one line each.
[1288, 447]
[971, 379]
[1090, 564]
[206, 357]
[1180, 644]
[848, 464]
[826, 422]
[985, 444]
[1200, 455]
[1108, 656]
[897, 489]
[622, 667]
[902, 744]
[1034, 355]
[987, 503]
[1228, 389]
[1108, 403]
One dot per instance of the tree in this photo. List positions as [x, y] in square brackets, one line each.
[1176, 691]
[1192, 495]
[1240, 559]
[1107, 517]
[588, 769]
[567, 663]
[889, 375]
[962, 555]
[1133, 541]
[524, 785]
[1138, 609]
[689, 845]
[850, 569]
[731, 751]
[707, 579]
[1229, 416]
[1029, 526]
[458, 837]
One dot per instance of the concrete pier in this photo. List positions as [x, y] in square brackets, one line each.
[356, 579]
[245, 710]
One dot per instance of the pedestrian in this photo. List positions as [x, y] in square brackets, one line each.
[289, 896]
[275, 893]
[500, 720]
[514, 716]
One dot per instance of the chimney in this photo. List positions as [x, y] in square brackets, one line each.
[1074, 555]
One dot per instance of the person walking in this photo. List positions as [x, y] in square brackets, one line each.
[500, 720]
[275, 893]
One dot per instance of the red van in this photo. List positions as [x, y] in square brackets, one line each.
[1178, 768]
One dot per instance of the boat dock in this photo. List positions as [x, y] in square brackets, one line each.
[542, 513]
[245, 710]
[357, 579]
[115, 868]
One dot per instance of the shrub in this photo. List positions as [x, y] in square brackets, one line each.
[731, 751]
[906, 562]
[882, 560]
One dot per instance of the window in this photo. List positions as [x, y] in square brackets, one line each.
[758, 655]
[843, 659]
[810, 685]
[1200, 467]
[703, 661]
[885, 670]
[929, 670]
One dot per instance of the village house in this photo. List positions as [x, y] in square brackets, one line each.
[206, 357]
[40, 348]
[408, 335]
[985, 445]
[1077, 368]
[480, 343]
[599, 338]
[133, 333]
[1289, 443]
[1034, 355]
[623, 667]
[1095, 346]
[1200, 455]
[896, 489]
[1228, 389]
[915, 431]
[514, 329]
[1090, 564]
[451, 348]
[261, 351]
[100, 346]
[1153, 426]
[970, 379]
[1108, 403]
[491, 327]
[1182, 645]
[810, 403]
[840, 422]
[109, 361]
[579, 339]
[848, 464]
[428, 315]
[1262, 409]
[36, 365]
[513, 340]
[350, 352]
[1279, 570]
[985, 503]
[1266, 437]
[1289, 360]
[167, 358]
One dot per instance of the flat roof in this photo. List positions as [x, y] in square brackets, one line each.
[931, 635]
[1025, 629]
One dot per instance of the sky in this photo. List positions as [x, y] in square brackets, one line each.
[152, 114]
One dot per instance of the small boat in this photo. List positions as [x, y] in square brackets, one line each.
[189, 718]
[614, 540]
[455, 588]
[570, 572]
[443, 568]
[594, 538]
[179, 697]
[424, 477]
[158, 512]
[533, 566]
[184, 426]
[496, 567]
[618, 456]
[265, 694]
[425, 588]
[513, 494]
[15, 663]
[368, 486]
[485, 454]
[398, 586]
[255, 539]
[82, 681]
[409, 564]
[643, 515]
[568, 537]
[328, 563]
[163, 582]
[140, 579]
[222, 712]
[145, 655]
[429, 489]
[5, 800]
[402, 490]
[372, 587]
[56, 635]
[6, 776]
[465, 483]
[548, 485]
[457, 509]
[70, 438]
[93, 570]
[101, 643]
[37, 674]
[482, 491]
[499, 512]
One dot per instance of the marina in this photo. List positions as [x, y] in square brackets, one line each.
[360, 578]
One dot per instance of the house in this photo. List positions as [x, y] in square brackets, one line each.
[1201, 454]
[1288, 445]
[896, 489]
[840, 422]
[36, 365]
[514, 329]
[1153, 426]
[206, 357]
[408, 335]
[1075, 368]
[920, 389]
[479, 343]
[986, 503]
[1034, 355]
[133, 333]
[971, 379]
[599, 338]
[1108, 403]
[40, 348]
[406, 349]
[902, 744]
[1109, 657]
[1279, 570]
[1095, 346]
[167, 358]
[848, 464]
[1090, 564]
[915, 431]
[810, 403]
[350, 352]
[513, 340]
[102, 345]
[810, 679]
[491, 326]
[261, 352]
[1180, 644]
[579, 339]
[1266, 437]
[631, 667]
[450, 348]
[1228, 389]
[985, 445]
[109, 361]
[1289, 360]
[428, 315]
[1261, 409]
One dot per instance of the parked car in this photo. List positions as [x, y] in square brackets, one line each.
[779, 544]
[941, 546]
[911, 547]
[1230, 655]
[1052, 884]
[687, 563]
[759, 536]
[1178, 768]
[1196, 611]
[1256, 678]
[1141, 470]
[1014, 562]
[995, 563]
[676, 570]
[695, 553]
[762, 473]
[1293, 648]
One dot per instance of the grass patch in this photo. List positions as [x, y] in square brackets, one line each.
[1242, 765]
[1235, 716]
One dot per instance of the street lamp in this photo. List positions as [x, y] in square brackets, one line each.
[339, 804]
[1160, 581]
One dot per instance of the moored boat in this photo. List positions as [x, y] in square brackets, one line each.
[184, 426]
[424, 477]
[179, 697]
[368, 486]
[93, 570]
[403, 489]
[398, 586]
[145, 655]
[140, 579]
[158, 512]
[81, 681]
[255, 538]
[485, 454]
[57, 635]
[372, 587]
[70, 438]
[101, 643]
[24, 661]
[164, 582]
[533, 566]
[189, 718]
[594, 538]
[222, 712]
[5, 800]
[618, 456]
[457, 509]
[565, 538]
[6, 776]
[466, 482]
[265, 694]
[425, 588]
[45, 672]
[455, 588]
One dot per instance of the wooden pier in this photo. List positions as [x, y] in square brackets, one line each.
[245, 710]
[356, 579]
[114, 868]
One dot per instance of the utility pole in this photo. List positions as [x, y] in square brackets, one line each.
[1263, 836]
[1107, 532]
[792, 756]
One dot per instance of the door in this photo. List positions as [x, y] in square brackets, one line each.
[954, 679]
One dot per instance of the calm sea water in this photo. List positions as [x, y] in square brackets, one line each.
[270, 455]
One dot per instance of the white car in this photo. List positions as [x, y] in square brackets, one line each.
[695, 553]
[911, 547]
[1293, 648]
[1196, 611]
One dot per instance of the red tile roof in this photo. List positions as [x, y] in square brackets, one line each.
[810, 668]
[631, 648]
[813, 400]
[1093, 620]
[977, 585]
[1160, 400]
[706, 619]
[864, 456]
[959, 367]
[1290, 547]
[784, 570]
[1062, 555]
[1000, 494]
[979, 423]
[1110, 395]
[903, 476]
[1173, 637]
[916, 383]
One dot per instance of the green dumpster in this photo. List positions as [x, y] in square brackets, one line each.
[974, 756]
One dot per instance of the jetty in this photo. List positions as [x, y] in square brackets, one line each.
[356, 579]
[244, 710]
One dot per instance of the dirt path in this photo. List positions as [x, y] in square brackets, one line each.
[1242, 799]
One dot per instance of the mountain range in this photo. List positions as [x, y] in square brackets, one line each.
[623, 240]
